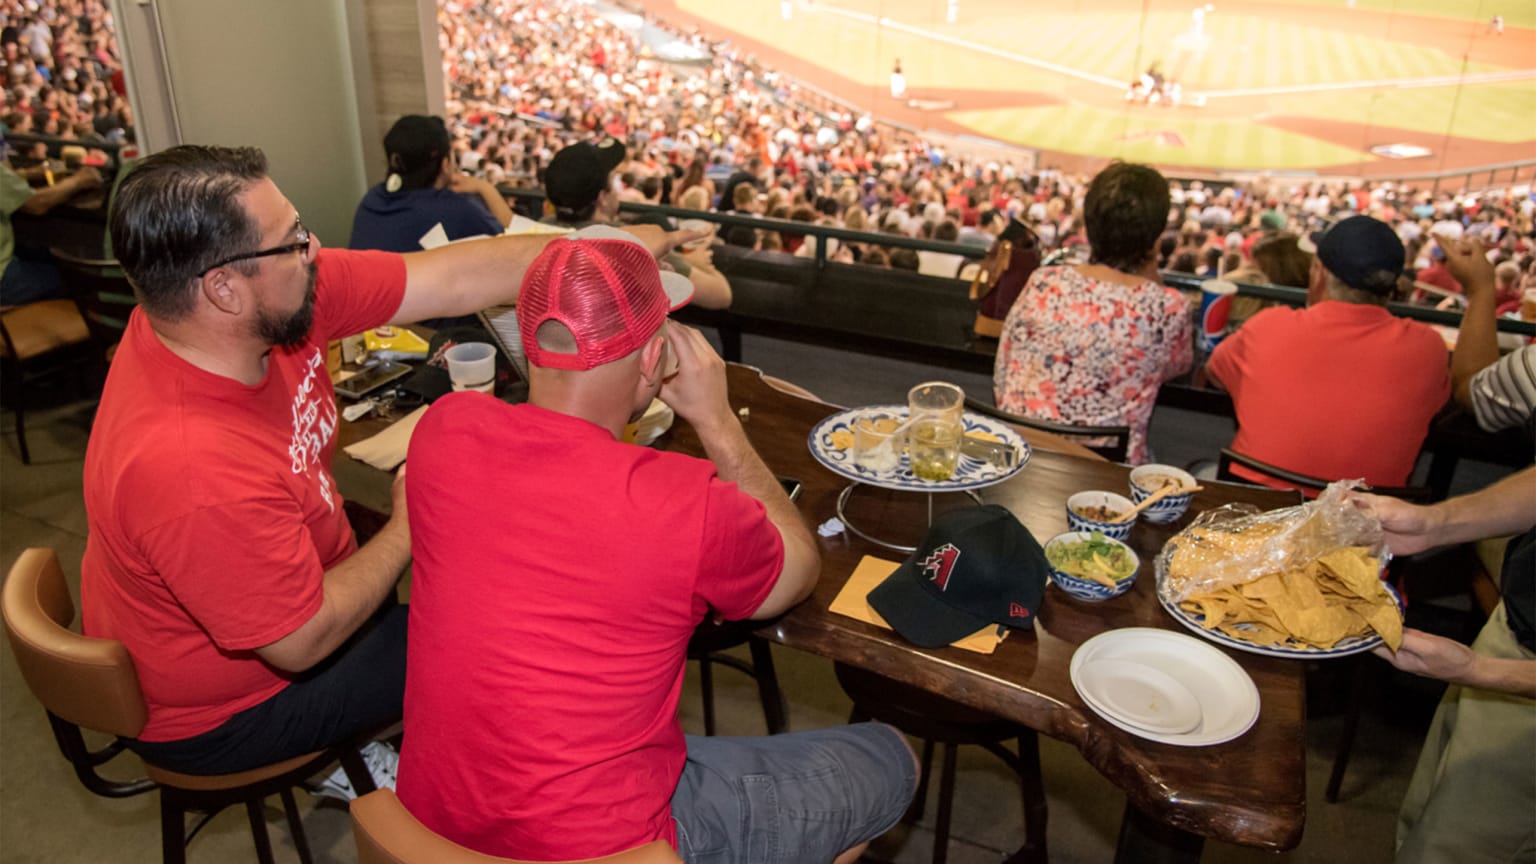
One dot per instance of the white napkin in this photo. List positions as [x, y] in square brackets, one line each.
[386, 450]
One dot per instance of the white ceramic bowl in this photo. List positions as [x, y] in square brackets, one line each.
[1169, 508]
[1117, 503]
[1087, 589]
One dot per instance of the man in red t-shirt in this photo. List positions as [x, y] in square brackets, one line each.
[558, 576]
[1342, 389]
[219, 552]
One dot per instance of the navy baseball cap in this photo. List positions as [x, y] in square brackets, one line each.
[976, 566]
[1364, 253]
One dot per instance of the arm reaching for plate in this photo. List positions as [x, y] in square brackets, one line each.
[1448, 660]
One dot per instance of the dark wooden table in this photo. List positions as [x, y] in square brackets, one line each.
[1250, 791]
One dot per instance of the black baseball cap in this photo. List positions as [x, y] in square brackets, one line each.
[976, 566]
[416, 142]
[1364, 253]
[579, 172]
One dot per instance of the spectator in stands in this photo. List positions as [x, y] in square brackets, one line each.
[902, 258]
[694, 177]
[1342, 389]
[1437, 274]
[1091, 344]
[1277, 260]
[27, 276]
[1500, 392]
[945, 264]
[580, 181]
[424, 192]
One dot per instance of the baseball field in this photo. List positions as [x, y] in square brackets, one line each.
[1360, 87]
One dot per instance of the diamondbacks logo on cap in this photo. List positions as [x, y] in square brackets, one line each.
[940, 563]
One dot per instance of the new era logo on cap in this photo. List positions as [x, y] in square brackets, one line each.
[976, 566]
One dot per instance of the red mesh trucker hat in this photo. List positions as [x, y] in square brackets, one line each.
[605, 287]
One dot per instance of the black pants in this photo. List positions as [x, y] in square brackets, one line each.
[359, 688]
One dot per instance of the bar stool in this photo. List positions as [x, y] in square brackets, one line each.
[31, 337]
[937, 720]
[91, 683]
[387, 833]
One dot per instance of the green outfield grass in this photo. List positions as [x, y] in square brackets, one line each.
[1517, 13]
[1505, 113]
[1082, 129]
[1242, 50]
[1249, 47]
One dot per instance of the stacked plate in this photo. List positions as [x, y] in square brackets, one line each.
[1165, 686]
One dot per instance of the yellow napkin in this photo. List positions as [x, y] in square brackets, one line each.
[853, 601]
[386, 450]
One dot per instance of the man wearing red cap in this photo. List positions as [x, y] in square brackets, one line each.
[559, 574]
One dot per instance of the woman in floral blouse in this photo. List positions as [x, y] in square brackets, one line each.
[1090, 344]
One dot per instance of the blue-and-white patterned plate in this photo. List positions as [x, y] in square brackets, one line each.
[970, 473]
[1344, 648]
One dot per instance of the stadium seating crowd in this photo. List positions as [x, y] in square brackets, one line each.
[62, 74]
[527, 77]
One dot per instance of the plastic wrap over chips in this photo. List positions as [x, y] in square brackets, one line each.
[1236, 544]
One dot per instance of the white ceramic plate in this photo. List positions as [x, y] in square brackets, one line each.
[1344, 647]
[970, 473]
[1228, 699]
[1141, 695]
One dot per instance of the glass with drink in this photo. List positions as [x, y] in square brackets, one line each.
[933, 436]
[933, 444]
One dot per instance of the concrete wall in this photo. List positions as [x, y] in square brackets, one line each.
[305, 80]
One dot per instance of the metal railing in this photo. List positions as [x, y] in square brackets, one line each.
[1182, 281]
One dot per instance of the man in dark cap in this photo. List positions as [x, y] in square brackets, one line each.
[1343, 388]
[425, 191]
[581, 183]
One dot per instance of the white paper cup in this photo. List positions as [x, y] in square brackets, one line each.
[472, 366]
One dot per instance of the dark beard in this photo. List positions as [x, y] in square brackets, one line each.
[291, 330]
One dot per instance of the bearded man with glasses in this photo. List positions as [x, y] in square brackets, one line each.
[219, 552]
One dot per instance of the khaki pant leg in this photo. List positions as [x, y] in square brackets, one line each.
[1472, 798]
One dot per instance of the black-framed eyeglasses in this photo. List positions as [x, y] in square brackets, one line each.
[300, 244]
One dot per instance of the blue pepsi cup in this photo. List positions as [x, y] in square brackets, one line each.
[1215, 311]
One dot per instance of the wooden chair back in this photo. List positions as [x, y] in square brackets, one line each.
[1306, 483]
[1111, 442]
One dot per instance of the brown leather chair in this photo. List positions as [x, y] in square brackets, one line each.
[33, 337]
[91, 684]
[937, 720]
[387, 833]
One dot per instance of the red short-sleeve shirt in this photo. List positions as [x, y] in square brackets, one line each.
[557, 577]
[212, 510]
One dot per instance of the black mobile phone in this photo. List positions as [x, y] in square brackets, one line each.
[791, 487]
[371, 379]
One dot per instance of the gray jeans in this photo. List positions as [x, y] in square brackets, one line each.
[801, 797]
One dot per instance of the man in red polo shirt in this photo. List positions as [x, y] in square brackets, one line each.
[1343, 388]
